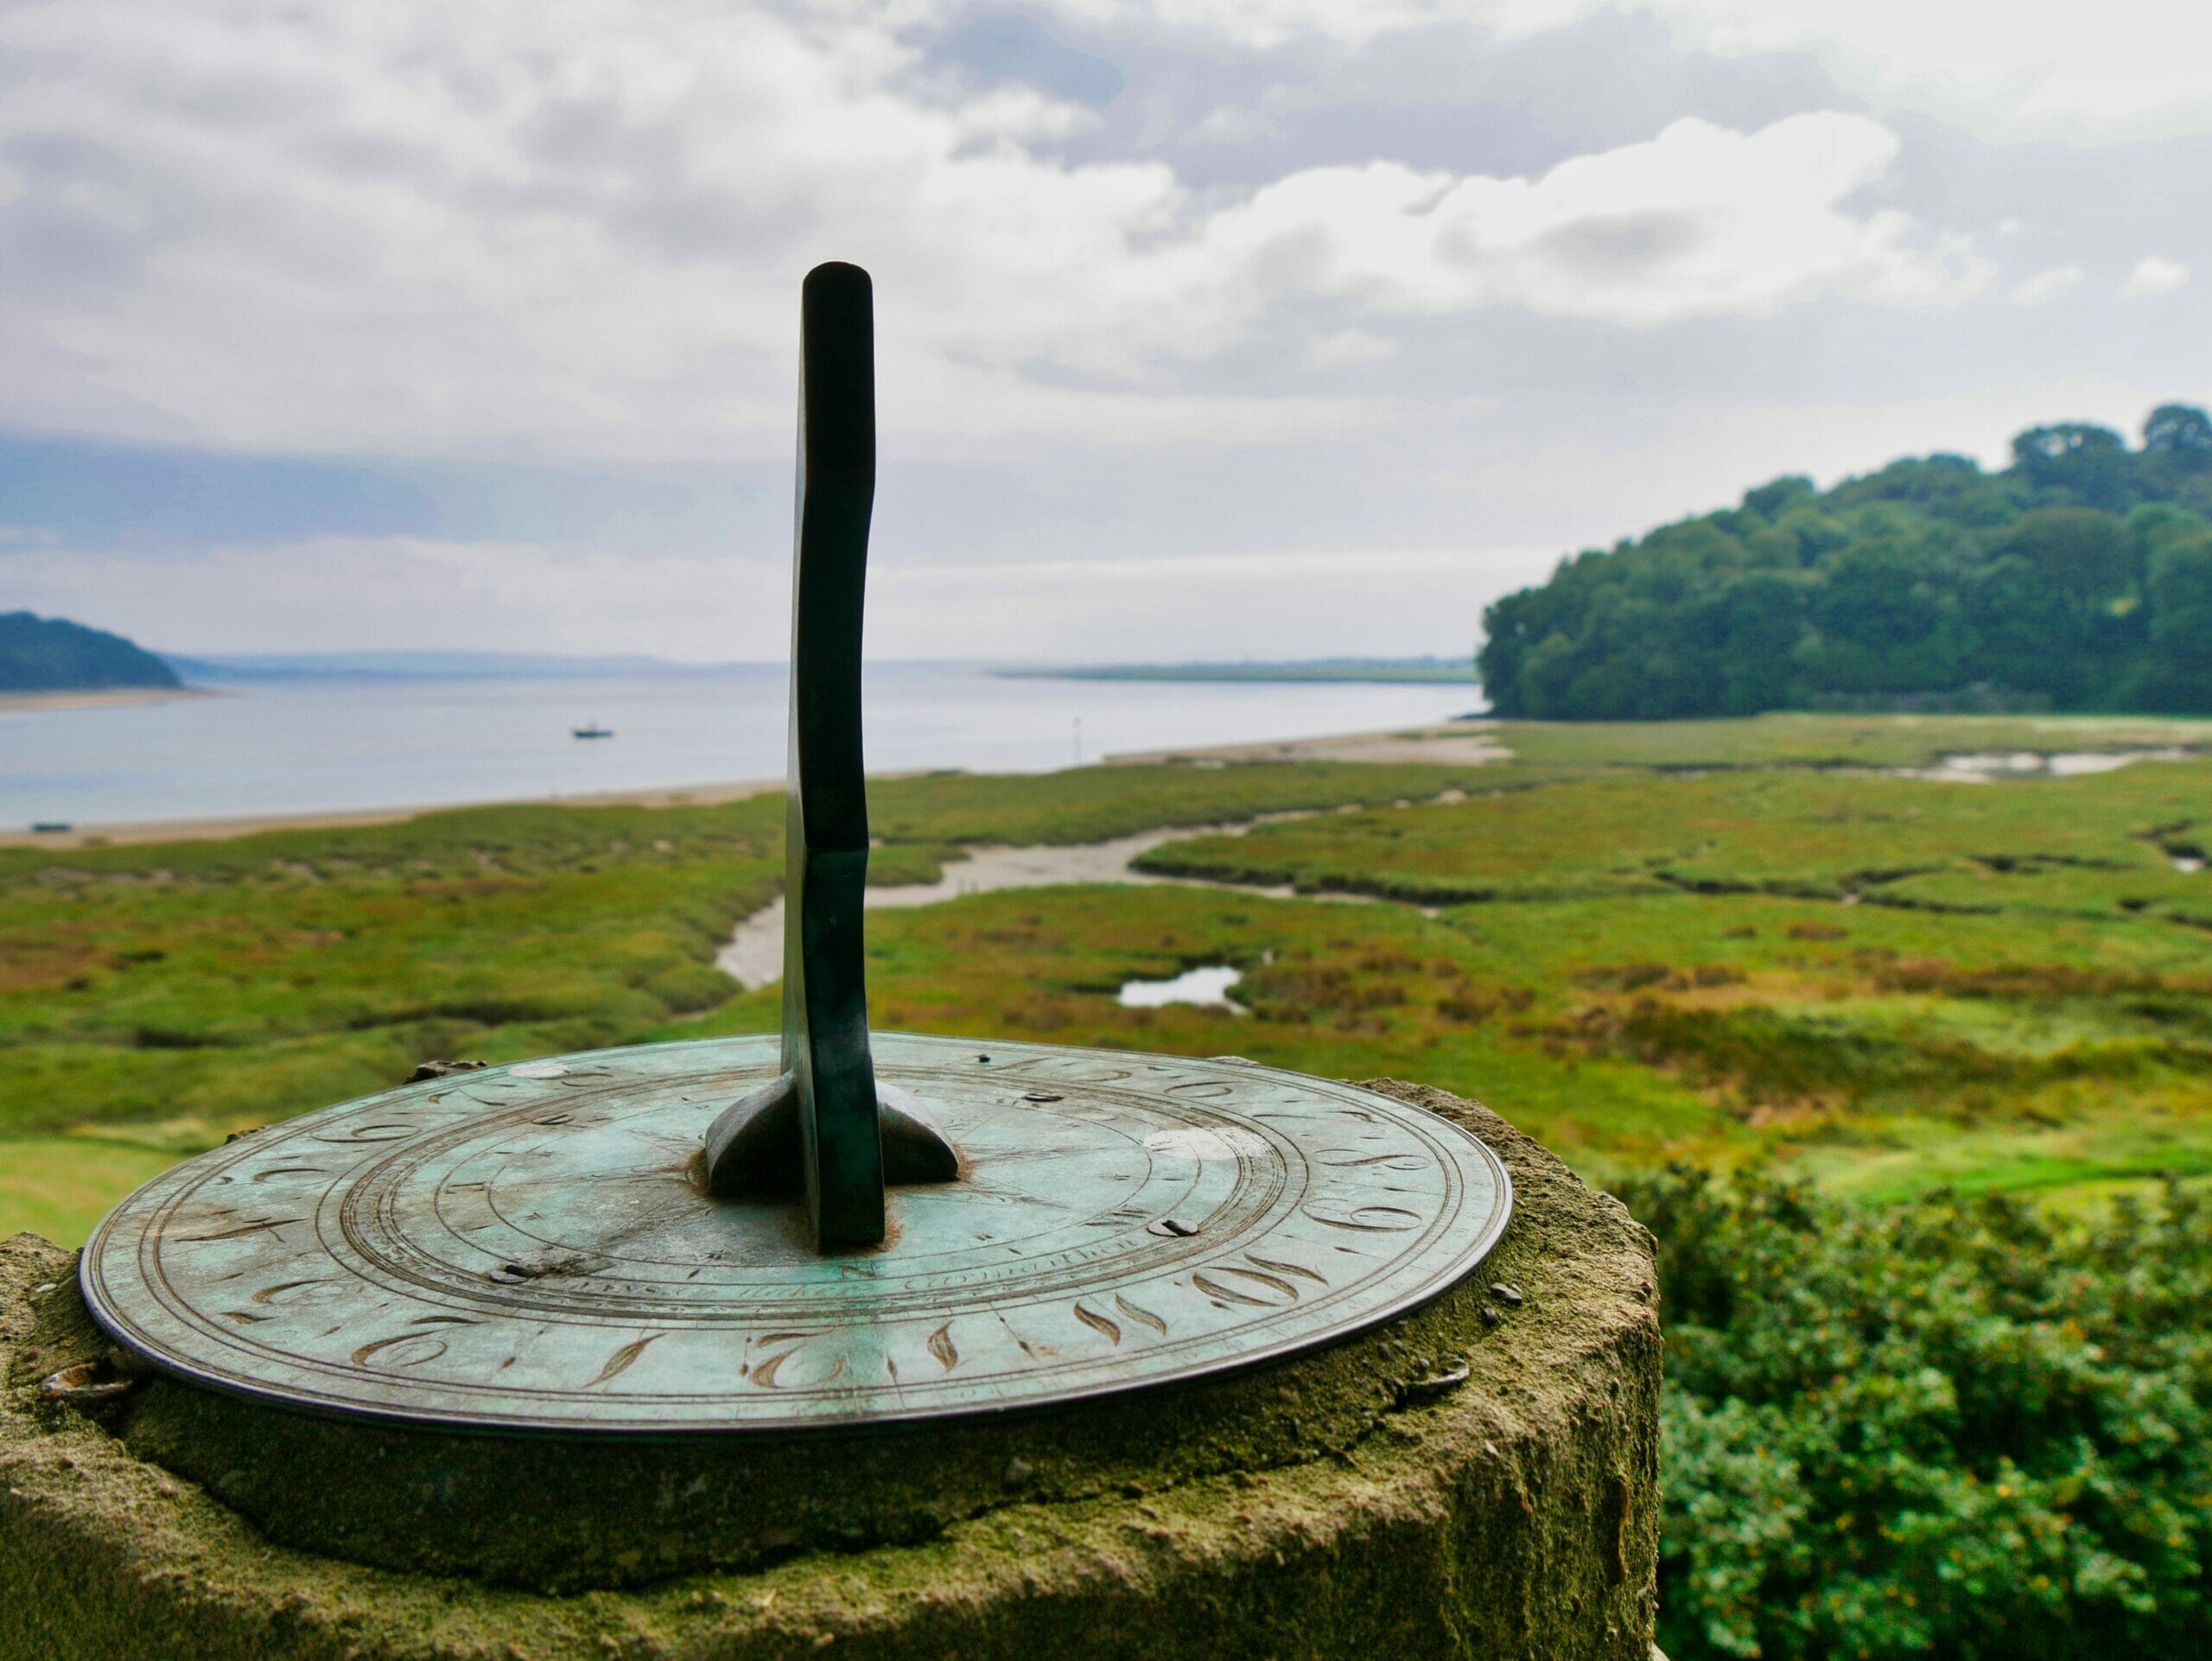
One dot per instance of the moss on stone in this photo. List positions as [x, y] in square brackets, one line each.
[1328, 1506]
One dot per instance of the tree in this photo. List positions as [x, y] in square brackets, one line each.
[1882, 613]
[2180, 604]
[2180, 432]
[1772, 500]
[2087, 556]
[2078, 457]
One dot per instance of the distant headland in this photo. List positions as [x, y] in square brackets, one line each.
[53, 660]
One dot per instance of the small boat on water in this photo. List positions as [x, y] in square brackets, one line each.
[595, 730]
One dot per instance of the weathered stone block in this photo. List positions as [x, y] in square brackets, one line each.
[1478, 1479]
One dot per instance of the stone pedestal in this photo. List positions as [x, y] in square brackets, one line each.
[1478, 1478]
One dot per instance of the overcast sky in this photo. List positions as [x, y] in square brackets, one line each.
[1205, 327]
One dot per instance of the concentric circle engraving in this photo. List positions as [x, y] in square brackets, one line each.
[525, 1248]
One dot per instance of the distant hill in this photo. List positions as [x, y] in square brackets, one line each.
[1455, 670]
[2080, 577]
[52, 655]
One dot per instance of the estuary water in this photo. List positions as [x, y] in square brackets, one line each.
[324, 745]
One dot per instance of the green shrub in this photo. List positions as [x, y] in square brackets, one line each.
[1954, 1426]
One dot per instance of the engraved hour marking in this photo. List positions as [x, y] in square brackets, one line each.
[361, 1133]
[268, 1225]
[1143, 1317]
[1346, 1160]
[940, 1346]
[1315, 1276]
[1097, 1322]
[1370, 1220]
[400, 1350]
[768, 1373]
[1061, 1075]
[271, 1293]
[622, 1360]
[1214, 1288]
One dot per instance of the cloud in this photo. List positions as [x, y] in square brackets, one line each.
[2047, 285]
[418, 324]
[2154, 275]
[1699, 222]
[1348, 347]
[2033, 70]
[338, 594]
[503, 231]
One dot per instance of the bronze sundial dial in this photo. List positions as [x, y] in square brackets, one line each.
[826, 1228]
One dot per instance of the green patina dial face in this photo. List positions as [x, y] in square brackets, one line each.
[529, 1248]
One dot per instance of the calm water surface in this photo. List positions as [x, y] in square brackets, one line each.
[310, 746]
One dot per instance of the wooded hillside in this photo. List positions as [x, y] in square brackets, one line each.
[2080, 577]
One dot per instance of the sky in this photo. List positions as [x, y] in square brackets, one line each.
[1205, 329]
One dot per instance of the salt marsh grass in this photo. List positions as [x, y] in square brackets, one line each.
[1734, 943]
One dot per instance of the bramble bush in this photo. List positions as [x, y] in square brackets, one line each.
[1957, 1427]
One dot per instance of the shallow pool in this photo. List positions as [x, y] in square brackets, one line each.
[1207, 986]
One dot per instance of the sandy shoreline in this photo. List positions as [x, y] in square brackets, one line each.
[1459, 742]
[1455, 743]
[148, 830]
[106, 698]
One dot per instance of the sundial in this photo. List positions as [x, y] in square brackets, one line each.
[821, 1227]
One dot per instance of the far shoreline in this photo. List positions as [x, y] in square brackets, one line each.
[1458, 742]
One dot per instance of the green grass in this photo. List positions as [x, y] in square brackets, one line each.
[1641, 943]
[2100, 845]
[1833, 740]
[60, 1186]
